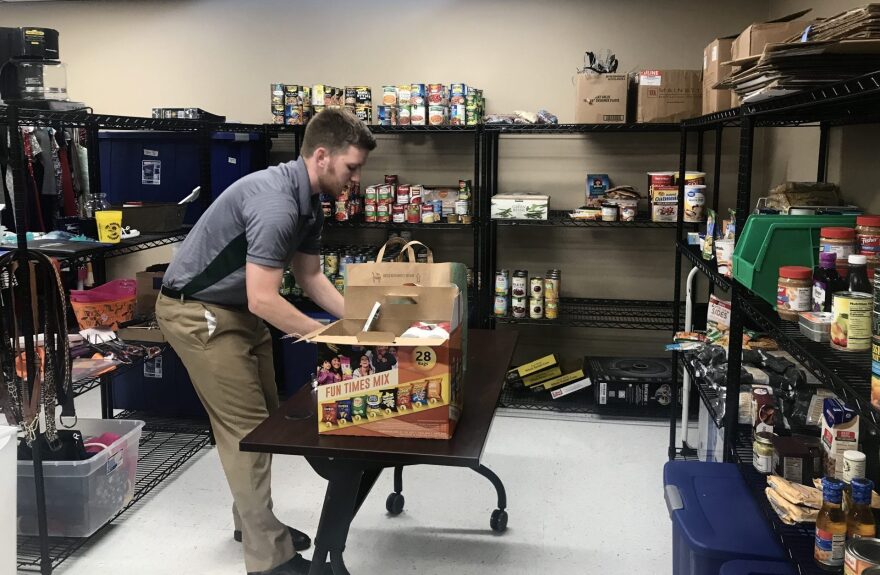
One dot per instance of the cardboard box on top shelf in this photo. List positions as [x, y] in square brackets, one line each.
[601, 99]
[382, 383]
[715, 55]
[752, 40]
[668, 95]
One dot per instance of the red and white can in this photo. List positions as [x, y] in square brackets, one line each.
[403, 194]
[398, 214]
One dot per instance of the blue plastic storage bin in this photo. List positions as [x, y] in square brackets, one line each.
[163, 167]
[161, 387]
[714, 518]
[756, 568]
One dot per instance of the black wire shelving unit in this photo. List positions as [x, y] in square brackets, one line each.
[848, 374]
[574, 312]
[165, 447]
[604, 313]
[127, 246]
[360, 223]
[561, 218]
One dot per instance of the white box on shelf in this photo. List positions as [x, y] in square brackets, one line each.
[520, 206]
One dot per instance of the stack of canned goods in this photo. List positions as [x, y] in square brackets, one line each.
[359, 100]
[291, 104]
[519, 296]
[413, 203]
[430, 104]
[346, 206]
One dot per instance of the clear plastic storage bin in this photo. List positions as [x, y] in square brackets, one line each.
[81, 496]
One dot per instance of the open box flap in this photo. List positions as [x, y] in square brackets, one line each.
[415, 303]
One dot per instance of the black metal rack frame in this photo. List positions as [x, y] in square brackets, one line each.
[573, 312]
[850, 102]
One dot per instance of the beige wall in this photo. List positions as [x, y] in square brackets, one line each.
[221, 55]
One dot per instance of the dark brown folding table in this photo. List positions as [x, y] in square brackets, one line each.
[351, 465]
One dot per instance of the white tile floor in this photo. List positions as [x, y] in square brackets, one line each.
[584, 497]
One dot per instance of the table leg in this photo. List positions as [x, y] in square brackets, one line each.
[349, 483]
[498, 521]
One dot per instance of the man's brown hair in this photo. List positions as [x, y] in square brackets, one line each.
[336, 129]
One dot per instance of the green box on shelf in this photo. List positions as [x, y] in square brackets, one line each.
[768, 242]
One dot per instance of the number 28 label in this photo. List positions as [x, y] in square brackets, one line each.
[425, 358]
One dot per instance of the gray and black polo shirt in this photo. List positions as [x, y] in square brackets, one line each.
[263, 218]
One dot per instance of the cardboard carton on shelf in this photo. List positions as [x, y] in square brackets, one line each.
[382, 383]
[840, 433]
[716, 69]
[520, 206]
[601, 99]
[668, 95]
[752, 40]
[148, 286]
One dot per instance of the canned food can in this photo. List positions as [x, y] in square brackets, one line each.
[437, 95]
[398, 214]
[415, 192]
[344, 262]
[551, 289]
[413, 214]
[436, 115]
[438, 207]
[536, 288]
[364, 113]
[391, 179]
[500, 305]
[860, 554]
[519, 307]
[383, 219]
[551, 309]
[403, 194]
[350, 96]
[331, 263]
[417, 115]
[417, 94]
[341, 214]
[428, 217]
[404, 93]
[371, 195]
[327, 208]
[694, 202]
[519, 284]
[389, 95]
[502, 282]
[339, 283]
[370, 209]
[458, 93]
[462, 207]
[385, 194]
[851, 321]
[457, 115]
[536, 308]
[403, 115]
[383, 211]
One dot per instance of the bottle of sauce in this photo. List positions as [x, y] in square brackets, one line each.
[858, 274]
[830, 527]
[860, 518]
[826, 281]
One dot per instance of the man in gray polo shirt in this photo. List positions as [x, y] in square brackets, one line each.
[222, 286]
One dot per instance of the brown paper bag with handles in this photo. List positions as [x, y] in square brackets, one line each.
[405, 271]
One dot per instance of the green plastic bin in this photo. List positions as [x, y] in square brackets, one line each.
[769, 242]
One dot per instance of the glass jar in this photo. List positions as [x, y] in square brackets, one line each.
[762, 452]
[868, 235]
[794, 292]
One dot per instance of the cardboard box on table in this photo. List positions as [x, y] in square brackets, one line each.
[419, 393]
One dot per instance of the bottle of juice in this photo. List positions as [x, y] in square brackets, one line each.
[826, 281]
[830, 527]
[860, 518]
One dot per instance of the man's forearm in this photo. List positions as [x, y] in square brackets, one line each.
[323, 293]
[284, 316]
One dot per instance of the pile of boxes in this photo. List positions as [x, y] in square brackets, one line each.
[651, 96]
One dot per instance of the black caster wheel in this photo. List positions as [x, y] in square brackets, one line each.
[394, 503]
[498, 523]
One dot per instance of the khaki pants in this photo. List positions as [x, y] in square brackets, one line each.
[228, 354]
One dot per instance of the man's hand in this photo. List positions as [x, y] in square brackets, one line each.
[307, 271]
[265, 302]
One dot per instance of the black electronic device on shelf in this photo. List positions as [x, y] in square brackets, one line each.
[31, 74]
[631, 382]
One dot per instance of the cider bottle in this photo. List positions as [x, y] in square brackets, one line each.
[860, 518]
[830, 526]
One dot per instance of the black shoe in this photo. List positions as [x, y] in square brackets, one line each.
[298, 565]
[301, 541]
